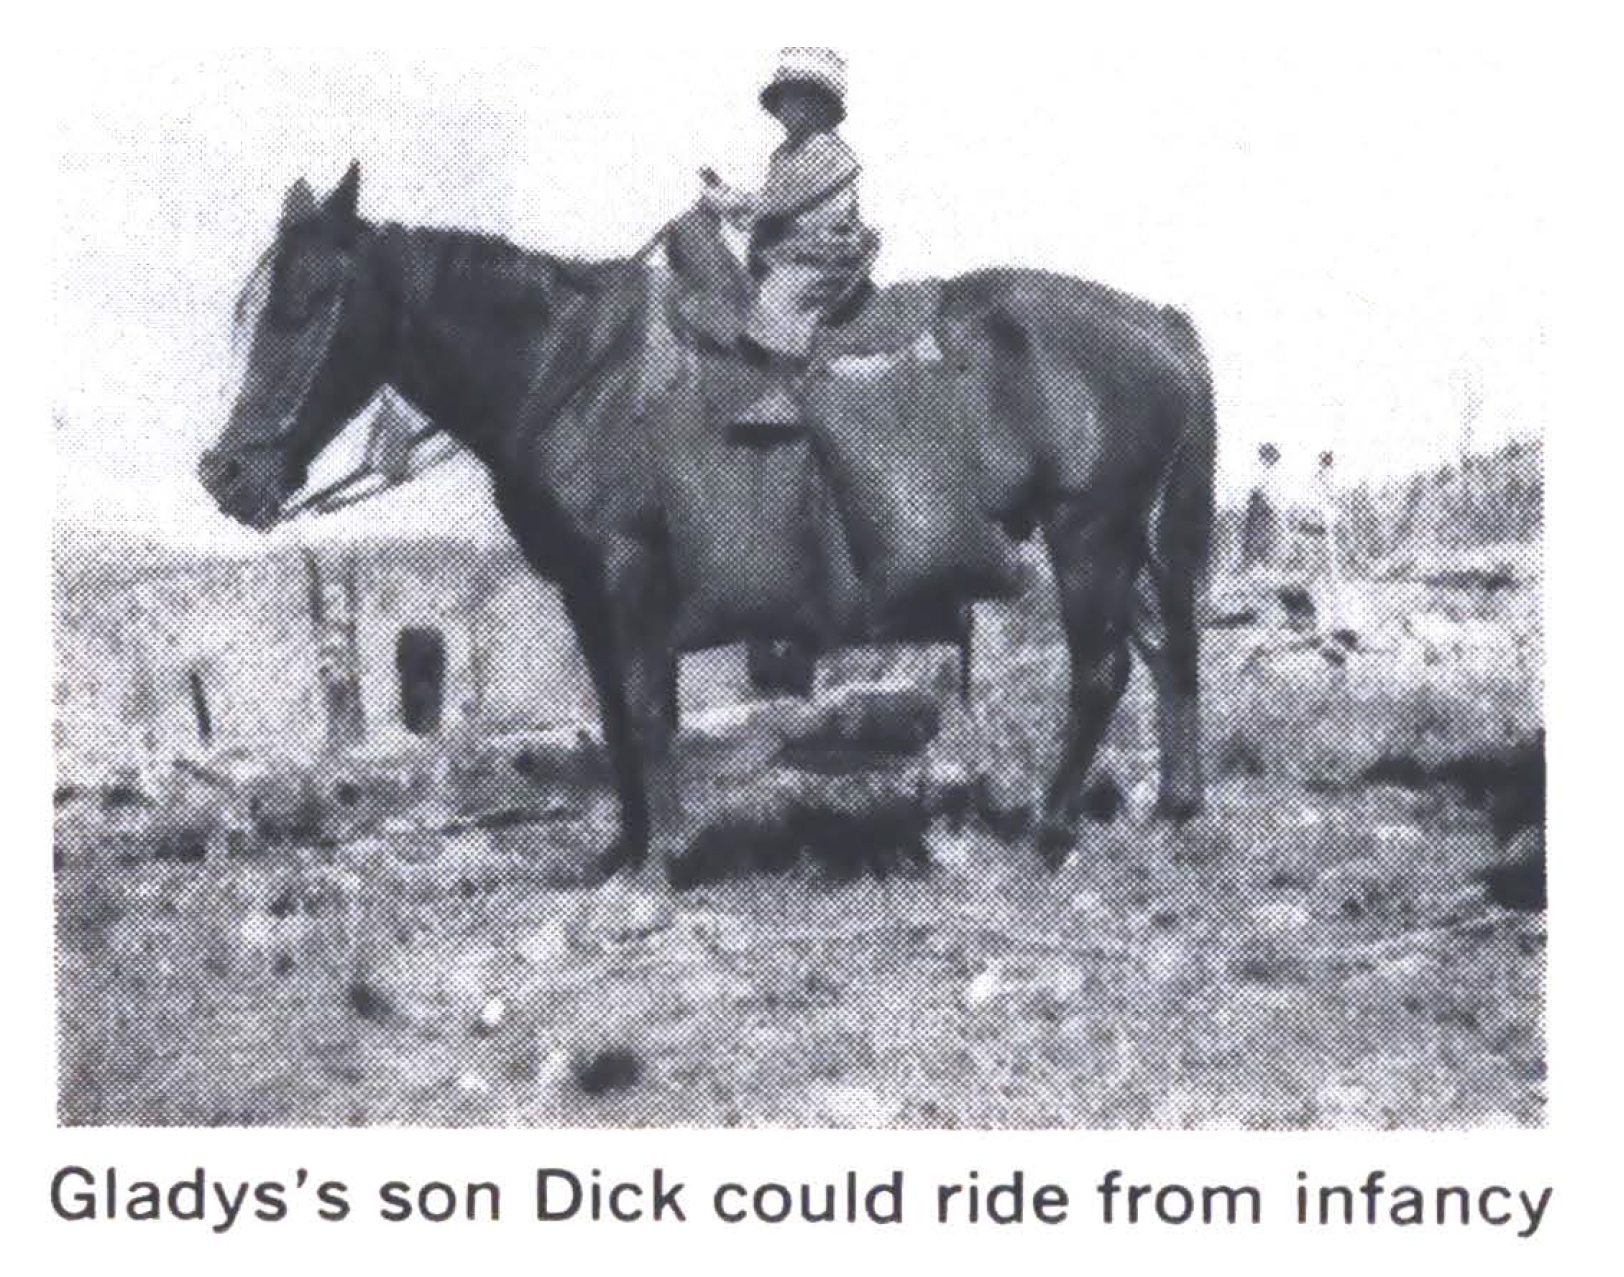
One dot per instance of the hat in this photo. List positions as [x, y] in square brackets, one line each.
[815, 68]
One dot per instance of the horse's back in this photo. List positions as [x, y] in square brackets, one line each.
[1097, 384]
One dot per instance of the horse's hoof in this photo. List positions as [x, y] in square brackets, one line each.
[620, 858]
[675, 869]
[1054, 844]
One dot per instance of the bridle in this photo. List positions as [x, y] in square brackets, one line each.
[372, 478]
[281, 435]
[377, 472]
[385, 464]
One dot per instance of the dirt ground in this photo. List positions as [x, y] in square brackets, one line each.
[1316, 950]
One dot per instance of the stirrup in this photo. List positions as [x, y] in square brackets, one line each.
[775, 408]
[774, 415]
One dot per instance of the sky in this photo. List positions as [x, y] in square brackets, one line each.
[1353, 209]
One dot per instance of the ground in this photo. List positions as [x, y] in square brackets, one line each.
[1318, 949]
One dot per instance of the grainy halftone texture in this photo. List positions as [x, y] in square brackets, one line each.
[987, 876]
[1318, 949]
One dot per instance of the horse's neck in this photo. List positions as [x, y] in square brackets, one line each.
[482, 325]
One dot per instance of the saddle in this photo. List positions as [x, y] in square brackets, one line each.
[712, 294]
[874, 521]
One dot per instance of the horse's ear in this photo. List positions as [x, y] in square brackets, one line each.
[299, 202]
[345, 201]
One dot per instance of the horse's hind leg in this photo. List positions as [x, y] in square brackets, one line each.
[1166, 634]
[1167, 626]
[1095, 562]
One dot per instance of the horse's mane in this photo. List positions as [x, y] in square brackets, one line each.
[489, 272]
[583, 313]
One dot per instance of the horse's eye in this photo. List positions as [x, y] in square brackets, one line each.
[303, 291]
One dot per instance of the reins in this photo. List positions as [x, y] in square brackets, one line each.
[342, 493]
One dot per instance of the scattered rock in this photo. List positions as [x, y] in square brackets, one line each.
[850, 1106]
[619, 912]
[613, 1069]
[257, 931]
[464, 978]
[491, 1016]
[1166, 960]
[552, 1068]
[1397, 837]
[1281, 916]
[1145, 796]
[544, 945]
[1344, 1105]
[983, 989]
[1090, 905]
[951, 849]
[368, 1001]
[1044, 988]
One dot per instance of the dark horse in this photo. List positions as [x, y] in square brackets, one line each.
[532, 362]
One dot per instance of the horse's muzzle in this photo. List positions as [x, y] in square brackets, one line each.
[244, 491]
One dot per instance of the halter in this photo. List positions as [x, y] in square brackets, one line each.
[280, 435]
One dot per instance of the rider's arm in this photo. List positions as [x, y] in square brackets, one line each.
[726, 201]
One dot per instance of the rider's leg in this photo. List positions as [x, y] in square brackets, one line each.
[781, 327]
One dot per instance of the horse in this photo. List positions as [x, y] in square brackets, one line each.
[536, 364]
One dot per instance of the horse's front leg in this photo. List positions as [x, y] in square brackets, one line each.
[647, 682]
[623, 616]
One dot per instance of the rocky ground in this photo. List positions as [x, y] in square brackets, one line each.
[404, 937]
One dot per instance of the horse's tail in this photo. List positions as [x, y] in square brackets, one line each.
[1181, 540]
[1170, 603]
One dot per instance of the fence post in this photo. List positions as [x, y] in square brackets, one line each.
[200, 706]
[338, 667]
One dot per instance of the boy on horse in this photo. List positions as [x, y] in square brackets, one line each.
[808, 246]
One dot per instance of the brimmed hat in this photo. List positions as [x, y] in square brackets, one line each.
[822, 69]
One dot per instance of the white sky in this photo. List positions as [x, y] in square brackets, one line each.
[1357, 216]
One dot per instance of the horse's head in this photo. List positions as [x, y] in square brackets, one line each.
[310, 337]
